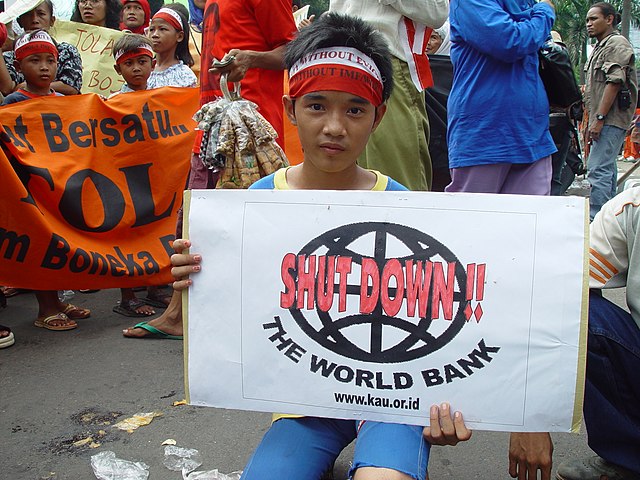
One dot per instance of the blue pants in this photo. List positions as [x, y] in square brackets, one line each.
[612, 391]
[602, 167]
[305, 448]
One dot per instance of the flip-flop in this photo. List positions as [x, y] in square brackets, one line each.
[8, 340]
[155, 300]
[48, 322]
[128, 308]
[12, 292]
[155, 333]
[76, 313]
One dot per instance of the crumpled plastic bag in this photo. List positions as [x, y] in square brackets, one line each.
[212, 475]
[138, 420]
[106, 466]
[238, 141]
[180, 459]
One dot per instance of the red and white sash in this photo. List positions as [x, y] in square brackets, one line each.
[414, 37]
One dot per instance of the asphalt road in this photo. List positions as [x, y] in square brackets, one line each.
[61, 393]
[59, 388]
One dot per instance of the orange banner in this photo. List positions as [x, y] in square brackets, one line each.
[91, 188]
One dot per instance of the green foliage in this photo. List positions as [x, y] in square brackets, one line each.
[316, 7]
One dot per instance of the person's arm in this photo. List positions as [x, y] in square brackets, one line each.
[432, 13]
[608, 97]
[7, 85]
[528, 453]
[487, 27]
[275, 19]
[63, 88]
[246, 59]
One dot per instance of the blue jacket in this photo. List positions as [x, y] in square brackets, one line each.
[498, 109]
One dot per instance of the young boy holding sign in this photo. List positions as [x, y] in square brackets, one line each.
[340, 77]
[36, 58]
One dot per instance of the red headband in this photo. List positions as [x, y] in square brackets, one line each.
[122, 56]
[341, 69]
[170, 16]
[39, 42]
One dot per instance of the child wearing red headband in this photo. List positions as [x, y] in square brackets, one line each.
[340, 77]
[136, 15]
[169, 34]
[134, 62]
[36, 57]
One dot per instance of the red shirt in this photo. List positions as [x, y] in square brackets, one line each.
[259, 25]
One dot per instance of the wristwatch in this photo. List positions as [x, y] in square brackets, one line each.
[599, 117]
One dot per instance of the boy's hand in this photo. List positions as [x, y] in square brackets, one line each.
[443, 430]
[183, 264]
[528, 453]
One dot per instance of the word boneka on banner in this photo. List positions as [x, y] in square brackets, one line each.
[90, 185]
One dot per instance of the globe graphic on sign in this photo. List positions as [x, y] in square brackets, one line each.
[412, 336]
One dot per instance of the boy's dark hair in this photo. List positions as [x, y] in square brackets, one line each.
[336, 30]
[607, 9]
[32, 33]
[113, 14]
[129, 42]
[182, 49]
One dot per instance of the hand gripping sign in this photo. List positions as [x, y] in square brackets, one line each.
[375, 306]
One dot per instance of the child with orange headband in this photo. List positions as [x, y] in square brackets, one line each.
[340, 77]
[36, 57]
[169, 34]
[133, 55]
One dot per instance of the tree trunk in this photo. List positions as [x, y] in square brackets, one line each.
[626, 18]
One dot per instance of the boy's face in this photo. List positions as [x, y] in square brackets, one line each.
[39, 70]
[334, 127]
[163, 35]
[133, 15]
[136, 71]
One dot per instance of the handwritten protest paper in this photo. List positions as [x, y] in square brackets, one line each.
[91, 188]
[95, 45]
[377, 305]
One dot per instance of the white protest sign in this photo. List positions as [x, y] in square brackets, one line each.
[95, 45]
[300, 15]
[372, 305]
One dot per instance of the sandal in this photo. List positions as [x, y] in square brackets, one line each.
[8, 340]
[158, 299]
[12, 292]
[76, 313]
[128, 308]
[50, 321]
